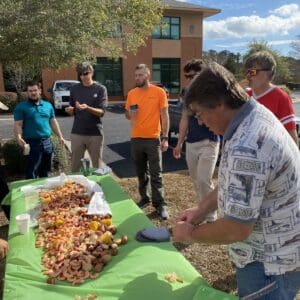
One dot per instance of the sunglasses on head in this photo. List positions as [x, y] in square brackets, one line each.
[254, 71]
[85, 73]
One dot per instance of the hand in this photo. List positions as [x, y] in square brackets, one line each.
[69, 110]
[192, 215]
[164, 145]
[82, 106]
[182, 232]
[3, 248]
[177, 151]
[133, 114]
[21, 142]
[62, 140]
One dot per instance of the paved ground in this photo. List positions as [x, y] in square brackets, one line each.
[117, 143]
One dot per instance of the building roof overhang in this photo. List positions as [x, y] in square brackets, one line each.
[189, 7]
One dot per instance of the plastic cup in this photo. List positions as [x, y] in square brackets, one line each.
[23, 222]
[26, 150]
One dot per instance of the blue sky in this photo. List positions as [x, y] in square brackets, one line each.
[240, 22]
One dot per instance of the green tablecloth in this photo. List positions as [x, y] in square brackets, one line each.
[137, 272]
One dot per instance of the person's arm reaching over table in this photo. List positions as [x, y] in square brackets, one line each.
[197, 214]
[222, 231]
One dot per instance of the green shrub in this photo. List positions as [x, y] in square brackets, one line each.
[61, 158]
[13, 156]
[23, 96]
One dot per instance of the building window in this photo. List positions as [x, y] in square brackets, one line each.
[167, 72]
[109, 73]
[169, 29]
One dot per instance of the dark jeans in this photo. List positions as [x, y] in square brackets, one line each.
[147, 158]
[253, 283]
[38, 162]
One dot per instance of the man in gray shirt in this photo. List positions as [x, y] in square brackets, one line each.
[87, 103]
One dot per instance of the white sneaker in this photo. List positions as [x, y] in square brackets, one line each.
[163, 212]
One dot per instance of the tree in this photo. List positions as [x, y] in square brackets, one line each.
[229, 60]
[283, 73]
[37, 34]
[16, 76]
[296, 48]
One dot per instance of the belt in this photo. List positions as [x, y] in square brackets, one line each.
[37, 140]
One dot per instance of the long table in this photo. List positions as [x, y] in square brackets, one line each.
[137, 272]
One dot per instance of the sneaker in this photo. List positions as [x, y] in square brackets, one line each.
[163, 212]
[143, 203]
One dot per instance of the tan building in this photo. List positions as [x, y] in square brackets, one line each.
[166, 52]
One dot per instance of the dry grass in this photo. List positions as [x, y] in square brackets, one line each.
[211, 261]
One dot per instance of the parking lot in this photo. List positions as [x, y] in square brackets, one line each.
[117, 141]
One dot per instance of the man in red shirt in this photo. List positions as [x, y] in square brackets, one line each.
[260, 69]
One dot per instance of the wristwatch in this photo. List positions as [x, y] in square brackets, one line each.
[164, 138]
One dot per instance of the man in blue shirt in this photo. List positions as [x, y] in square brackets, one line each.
[34, 120]
[202, 145]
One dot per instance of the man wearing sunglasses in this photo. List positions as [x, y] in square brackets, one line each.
[259, 70]
[88, 101]
[202, 145]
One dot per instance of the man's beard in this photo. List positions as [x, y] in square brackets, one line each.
[142, 84]
[35, 100]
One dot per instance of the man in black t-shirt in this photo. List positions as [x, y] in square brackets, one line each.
[87, 103]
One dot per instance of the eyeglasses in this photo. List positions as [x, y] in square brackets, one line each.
[190, 76]
[253, 71]
[85, 73]
[198, 114]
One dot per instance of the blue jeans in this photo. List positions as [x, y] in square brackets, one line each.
[253, 283]
[38, 162]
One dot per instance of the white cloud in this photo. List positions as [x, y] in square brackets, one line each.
[244, 44]
[279, 23]
[286, 10]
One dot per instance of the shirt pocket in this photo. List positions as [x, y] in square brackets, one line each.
[44, 113]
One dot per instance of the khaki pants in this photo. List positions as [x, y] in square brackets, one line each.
[201, 158]
[92, 143]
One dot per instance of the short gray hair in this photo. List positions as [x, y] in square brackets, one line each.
[84, 67]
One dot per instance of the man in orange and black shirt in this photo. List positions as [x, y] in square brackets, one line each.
[147, 110]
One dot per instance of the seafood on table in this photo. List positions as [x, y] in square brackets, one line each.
[77, 246]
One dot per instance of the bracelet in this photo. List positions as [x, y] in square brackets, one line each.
[164, 138]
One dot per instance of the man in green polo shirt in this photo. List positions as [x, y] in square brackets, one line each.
[34, 120]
